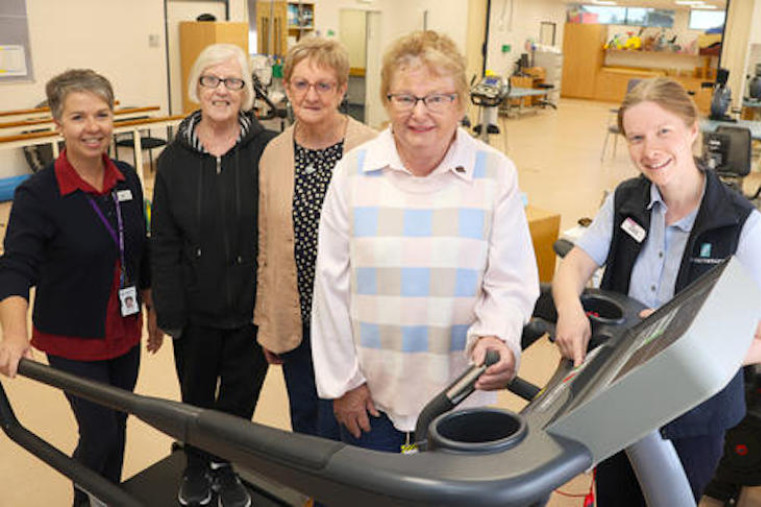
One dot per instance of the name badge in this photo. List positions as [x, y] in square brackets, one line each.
[128, 300]
[124, 195]
[634, 230]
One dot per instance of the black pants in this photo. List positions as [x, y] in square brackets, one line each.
[221, 369]
[101, 430]
[617, 484]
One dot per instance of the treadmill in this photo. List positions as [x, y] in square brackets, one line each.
[645, 374]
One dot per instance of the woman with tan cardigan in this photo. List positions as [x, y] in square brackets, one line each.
[295, 172]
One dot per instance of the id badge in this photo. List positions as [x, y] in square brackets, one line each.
[128, 299]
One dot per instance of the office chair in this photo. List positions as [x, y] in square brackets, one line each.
[728, 152]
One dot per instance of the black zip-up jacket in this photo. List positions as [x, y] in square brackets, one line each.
[204, 230]
[719, 223]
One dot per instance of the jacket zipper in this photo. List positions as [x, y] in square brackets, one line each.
[226, 237]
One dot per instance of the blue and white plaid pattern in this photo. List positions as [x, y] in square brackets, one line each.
[412, 254]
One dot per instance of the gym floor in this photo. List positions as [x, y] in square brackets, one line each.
[558, 155]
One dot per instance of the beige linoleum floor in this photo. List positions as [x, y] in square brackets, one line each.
[558, 157]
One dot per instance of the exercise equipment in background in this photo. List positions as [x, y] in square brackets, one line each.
[727, 151]
[741, 464]
[721, 100]
[754, 84]
[488, 94]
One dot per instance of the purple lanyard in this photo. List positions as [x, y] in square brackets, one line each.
[119, 240]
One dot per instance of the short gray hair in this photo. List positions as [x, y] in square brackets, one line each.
[326, 53]
[77, 80]
[214, 55]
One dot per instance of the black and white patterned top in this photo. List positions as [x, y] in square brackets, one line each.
[313, 170]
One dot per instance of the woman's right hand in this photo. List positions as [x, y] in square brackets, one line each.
[12, 349]
[572, 331]
[352, 408]
[15, 344]
[572, 334]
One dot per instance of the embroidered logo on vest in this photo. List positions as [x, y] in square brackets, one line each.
[705, 250]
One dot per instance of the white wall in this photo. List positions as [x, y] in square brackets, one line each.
[399, 16]
[111, 37]
[393, 19]
[512, 22]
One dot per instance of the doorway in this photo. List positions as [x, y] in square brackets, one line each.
[359, 32]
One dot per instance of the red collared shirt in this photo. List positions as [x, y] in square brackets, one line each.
[122, 333]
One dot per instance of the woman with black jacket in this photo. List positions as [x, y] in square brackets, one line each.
[204, 239]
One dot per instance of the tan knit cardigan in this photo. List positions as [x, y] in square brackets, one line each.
[278, 312]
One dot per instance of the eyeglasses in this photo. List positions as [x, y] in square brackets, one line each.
[301, 86]
[436, 103]
[231, 83]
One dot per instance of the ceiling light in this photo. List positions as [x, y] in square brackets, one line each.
[689, 2]
[604, 2]
[705, 6]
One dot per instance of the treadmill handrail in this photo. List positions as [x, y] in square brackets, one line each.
[85, 478]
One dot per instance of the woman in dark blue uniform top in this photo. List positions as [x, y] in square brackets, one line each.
[77, 233]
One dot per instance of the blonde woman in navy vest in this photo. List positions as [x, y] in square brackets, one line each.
[655, 235]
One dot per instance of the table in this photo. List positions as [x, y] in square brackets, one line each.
[520, 93]
[544, 227]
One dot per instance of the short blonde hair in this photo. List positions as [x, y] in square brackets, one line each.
[326, 53]
[77, 80]
[427, 48]
[665, 92]
[214, 55]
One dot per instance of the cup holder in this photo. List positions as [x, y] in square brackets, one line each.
[482, 430]
[602, 310]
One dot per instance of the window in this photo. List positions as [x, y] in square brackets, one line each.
[704, 20]
[631, 16]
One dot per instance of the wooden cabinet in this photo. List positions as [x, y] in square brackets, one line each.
[582, 59]
[612, 85]
[277, 20]
[544, 227]
[195, 36]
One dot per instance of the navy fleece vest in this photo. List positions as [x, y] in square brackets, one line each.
[714, 237]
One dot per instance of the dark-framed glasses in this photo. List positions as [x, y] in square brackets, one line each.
[231, 83]
[436, 102]
[301, 86]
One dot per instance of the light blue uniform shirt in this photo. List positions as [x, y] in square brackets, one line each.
[654, 273]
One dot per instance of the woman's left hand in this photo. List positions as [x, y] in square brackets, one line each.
[155, 335]
[498, 375]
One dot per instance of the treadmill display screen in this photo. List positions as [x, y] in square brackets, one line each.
[654, 335]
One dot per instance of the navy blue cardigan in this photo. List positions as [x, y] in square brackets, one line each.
[59, 244]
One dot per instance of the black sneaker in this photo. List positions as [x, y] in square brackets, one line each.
[195, 488]
[232, 493]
